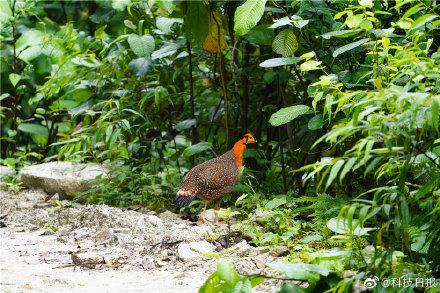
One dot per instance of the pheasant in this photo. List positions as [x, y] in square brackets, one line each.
[214, 178]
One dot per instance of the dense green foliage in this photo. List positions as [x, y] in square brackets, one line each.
[343, 97]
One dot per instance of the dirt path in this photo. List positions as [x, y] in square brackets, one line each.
[34, 263]
[52, 246]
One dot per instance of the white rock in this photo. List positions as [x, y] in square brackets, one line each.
[210, 215]
[5, 170]
[64, 178]
[193, 250]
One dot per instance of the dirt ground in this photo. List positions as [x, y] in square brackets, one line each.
[53, 246]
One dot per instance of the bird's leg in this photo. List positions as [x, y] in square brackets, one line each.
[217, 205]
[202, 214]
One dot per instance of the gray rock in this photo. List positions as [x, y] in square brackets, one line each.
[105, 236]
[5, 171]
[64, 178]
[194, 250]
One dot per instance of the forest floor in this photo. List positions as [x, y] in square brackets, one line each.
[60, 246]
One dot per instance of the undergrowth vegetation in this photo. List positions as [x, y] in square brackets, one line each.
[343, 97]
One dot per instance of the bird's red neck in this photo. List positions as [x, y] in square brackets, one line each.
[238, 150]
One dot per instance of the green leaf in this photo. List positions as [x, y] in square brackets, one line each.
[226, 271]
[341, 226]
[120, 4]
[196, 148]
[142, 46]
[165, 23]
[422, 20]
[196, 22]
[185, 124]
[300, 271]
[340, 34]
[435, 112]
[14, 78]
[247, 16]
[5, 13]
[166, 50]
[281, 22]
[260, 35]
[34, 129]
[285, 43]
[275, 62]
[276, 202]
[353, 21]
[316, 122]
[349, 47]
[291, 288]
[288, 114]
[310, 65]
[366, 3]
[334, 172]
[348, 166]
[243, 287]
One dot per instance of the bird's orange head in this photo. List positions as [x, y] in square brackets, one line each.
[248, 138]
[240, 147]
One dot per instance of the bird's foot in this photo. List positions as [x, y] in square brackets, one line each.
[202, 219]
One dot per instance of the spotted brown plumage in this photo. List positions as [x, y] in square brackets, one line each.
[216, 177]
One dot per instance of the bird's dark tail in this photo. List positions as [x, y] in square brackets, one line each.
[183, 198]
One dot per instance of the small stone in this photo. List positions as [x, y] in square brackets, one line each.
[262, 216]
[193, 250]
[154, 220]
[148, 263]
[81, 234]
[348, 273]
[278, 250]
[240, 249]
[105, 236]
[210, 215]
[169, 216]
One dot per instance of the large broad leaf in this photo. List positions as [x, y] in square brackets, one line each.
[196, 149]
[247, 16]
[34, 129]
[310, 65]
[166, 50]
[276, 202]
[315, 123]
[215, 40]
[140, 66]
[14, 78]
[334, 172]
[227, 272]
[165, 23]
[260, 35]
[285, 43]
[5, 13]
[340, 34]
[422, 20]
[142, 46]
[275, 62]
[281, 22]
[29, 45]
[349, 47]
[300, 271]
[286, 115]
[185, 124]
[341, 226]
[196, 22]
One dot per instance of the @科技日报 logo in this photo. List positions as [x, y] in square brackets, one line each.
[371, 282]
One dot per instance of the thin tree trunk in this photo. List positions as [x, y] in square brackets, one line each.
[194, 137]
[245, 83]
